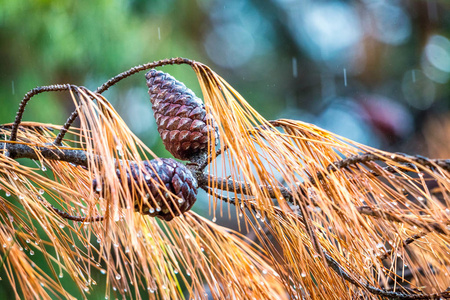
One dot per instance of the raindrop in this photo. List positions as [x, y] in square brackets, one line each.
[214, 220]
[345, 77]
[41, 191]
[61, 225]
[175, 271]
[294, 67]
[44, 168]
[180, 201]
[27, 241]
[103, 271]
[118, 276]
[147, 177]
[61, 275]
[8, 194]
[158, 209]
[31, 252]
[303, 274]
[264, 272]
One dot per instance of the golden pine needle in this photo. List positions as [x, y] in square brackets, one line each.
[351, 213]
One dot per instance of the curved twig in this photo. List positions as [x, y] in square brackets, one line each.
[68, 216]
[27, 97]
[171, 61]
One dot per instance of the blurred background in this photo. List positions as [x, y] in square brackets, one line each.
[373, 71]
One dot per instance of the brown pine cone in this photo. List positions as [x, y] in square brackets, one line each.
[180, 116]
[177, 179]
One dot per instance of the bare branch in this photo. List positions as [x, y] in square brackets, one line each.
[27, 97]
[172, 61]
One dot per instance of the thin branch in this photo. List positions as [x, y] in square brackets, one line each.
[27, 97]
[68, 216]
[171, 61]
[401, 218]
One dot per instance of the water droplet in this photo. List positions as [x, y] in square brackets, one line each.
[148, 177]
[127, 249]
[61, 225]
[214, 220]
[103, 271]
[98, 189]
[7, 194]
[118, 276]
[42, 284]
[61, 275]
[303, 274]
[44, 168]
[106, 297]
[27, 241]
[86, 289]
[31, 252]
[180, 201]
[99, 241]
[175, 271]
[158, 209]
[264, 272]
[41, 191]
[151, 210]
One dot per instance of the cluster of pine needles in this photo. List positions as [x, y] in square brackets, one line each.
[331, 218]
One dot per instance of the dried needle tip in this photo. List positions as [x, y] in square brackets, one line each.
[182, 121]
[160, 177]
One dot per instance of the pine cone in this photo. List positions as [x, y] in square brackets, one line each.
[177, 179]
[180, 116]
